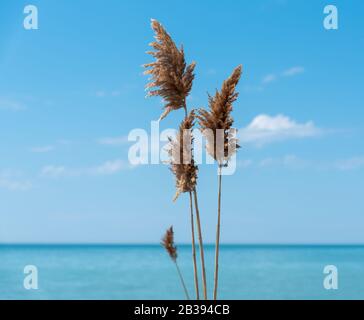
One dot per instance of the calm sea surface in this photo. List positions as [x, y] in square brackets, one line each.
[145, 272]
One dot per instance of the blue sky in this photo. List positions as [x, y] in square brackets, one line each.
[71, 91]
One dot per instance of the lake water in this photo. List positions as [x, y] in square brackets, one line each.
[146, 272]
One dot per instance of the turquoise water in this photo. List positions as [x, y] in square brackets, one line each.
[145, 272]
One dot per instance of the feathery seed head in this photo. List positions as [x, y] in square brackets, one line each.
[168, 244]
[181, 157]
[216, 123]
[170, 77]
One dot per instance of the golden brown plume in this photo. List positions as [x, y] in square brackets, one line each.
[171, 79]
[181, 157]
[168, 244]
[219, 117]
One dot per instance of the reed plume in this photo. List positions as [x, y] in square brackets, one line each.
[218, 119]
[171, 78]
[185, 171]
[180, 152]
[216, 125]
[168, 244]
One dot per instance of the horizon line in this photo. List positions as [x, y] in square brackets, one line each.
[135, 244]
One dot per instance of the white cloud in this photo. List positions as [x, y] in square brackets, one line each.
[293, 71]
[269, 78]
[12, 105]
[14, 185]
[42, 149]
[266, 162]
[265, 129]
[64, 142]
[115, 93]
[249, 88]
[245, 163]
[54, 171]
[211, 72]
[13, 182]
[109, 167]
[106, 168]
[100, 93]
[350, 164]
[113, 141]
[103, 93]
[50, 147]
[291, 161]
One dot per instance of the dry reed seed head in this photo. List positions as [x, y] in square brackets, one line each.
[181, 157]
[218, 118]
[168, 243]
[170, 79]
[186, 178]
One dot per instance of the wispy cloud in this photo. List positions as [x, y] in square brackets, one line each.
[290, 72]
[104, 93]
[291, 161]
[350, 163]
[64, 142]
[249, 88]
[110, 167]
[12, 105]
[107, 168]
[113, 141]
[293, 71]
[100, 93]
[52, 171]
[211, 72]
[14, 185]
[115, 91]
[42, 149]
[50, 147]
[269, 78]
[245, 163]
[13, 182]
[287, 161]
[266, 129]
